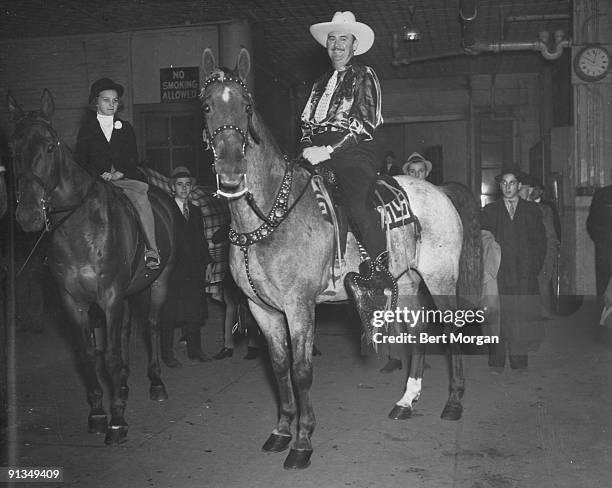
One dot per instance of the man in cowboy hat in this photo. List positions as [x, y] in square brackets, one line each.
[517, 227]
[338, 125]
[417, 166]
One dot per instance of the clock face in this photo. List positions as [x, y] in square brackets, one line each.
[592, 63]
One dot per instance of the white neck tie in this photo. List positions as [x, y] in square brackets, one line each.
[323, 105]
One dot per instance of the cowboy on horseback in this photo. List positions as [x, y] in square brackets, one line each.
[338, 125]
[106, 146]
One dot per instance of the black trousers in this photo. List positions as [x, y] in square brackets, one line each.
[193, 336]
[355, 169]
[603, 265]
[521, 331]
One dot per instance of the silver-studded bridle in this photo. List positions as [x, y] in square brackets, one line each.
[222, 77]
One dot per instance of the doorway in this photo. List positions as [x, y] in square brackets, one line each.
[170, 135]
[494, 149]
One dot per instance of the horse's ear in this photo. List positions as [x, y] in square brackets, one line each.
[208, 62]
[47, 105]
[243, 64]
[13, 107]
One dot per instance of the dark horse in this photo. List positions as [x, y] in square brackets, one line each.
[95, 255]
[282, 256]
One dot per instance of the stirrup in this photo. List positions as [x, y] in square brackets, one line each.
[152, 259]
[372, 290]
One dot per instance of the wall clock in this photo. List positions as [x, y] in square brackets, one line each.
[592, 62]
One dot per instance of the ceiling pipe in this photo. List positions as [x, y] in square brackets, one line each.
[536, 18]
[468, 11]
[541, 45]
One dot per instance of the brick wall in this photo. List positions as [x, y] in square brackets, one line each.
[66, 66]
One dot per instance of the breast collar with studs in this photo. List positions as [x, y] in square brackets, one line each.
[279, 211]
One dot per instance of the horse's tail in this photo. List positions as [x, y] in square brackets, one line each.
[469, 284]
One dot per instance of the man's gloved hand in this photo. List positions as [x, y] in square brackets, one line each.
[316, 154]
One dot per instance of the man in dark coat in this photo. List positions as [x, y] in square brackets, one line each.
[517, 227]
[186, 302]
[599, 226]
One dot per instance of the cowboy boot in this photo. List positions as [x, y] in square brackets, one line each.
[374, 288]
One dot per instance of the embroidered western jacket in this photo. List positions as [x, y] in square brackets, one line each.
[354, 110]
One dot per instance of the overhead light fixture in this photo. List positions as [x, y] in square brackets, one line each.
[410, 32]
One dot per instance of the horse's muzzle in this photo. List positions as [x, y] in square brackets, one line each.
[30, 220]
[231, 183]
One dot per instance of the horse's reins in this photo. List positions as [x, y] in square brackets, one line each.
[45, 200]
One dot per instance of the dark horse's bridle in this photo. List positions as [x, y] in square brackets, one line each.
[280, 208]
[45, 201]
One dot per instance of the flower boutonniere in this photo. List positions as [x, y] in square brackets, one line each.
[117, 125]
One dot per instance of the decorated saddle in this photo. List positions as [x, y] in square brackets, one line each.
[385, 195]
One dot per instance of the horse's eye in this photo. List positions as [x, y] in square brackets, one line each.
[51, 148]
[248, 109]
[206, 108]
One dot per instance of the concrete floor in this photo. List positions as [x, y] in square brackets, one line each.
[549, 427]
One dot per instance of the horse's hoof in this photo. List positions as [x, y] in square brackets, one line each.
[158, 393]
[124, 393]
[400, 413]
[116, 435]
[276, 443]
[452, 411]
[298, 459]
[97, 424]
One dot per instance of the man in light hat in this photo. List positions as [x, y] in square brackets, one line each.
[338, 125]
[417, 166]
[186, 301]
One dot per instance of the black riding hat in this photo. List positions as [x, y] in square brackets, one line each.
[104, 84]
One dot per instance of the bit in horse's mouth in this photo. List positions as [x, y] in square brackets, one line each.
[232, 188]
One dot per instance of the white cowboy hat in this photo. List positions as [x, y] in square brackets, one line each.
[415, 157]
[344, 22]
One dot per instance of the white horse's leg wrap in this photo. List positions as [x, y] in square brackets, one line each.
[412, 393]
